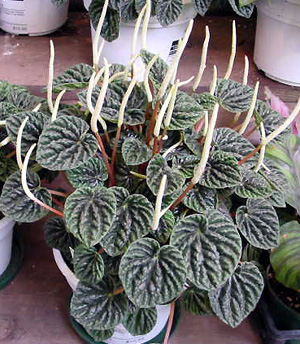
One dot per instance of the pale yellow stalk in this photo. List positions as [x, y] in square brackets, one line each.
[56, 105]
[125, 100]
[250, 111]
[5, 142]
[136, 31]
[146, 24]
[18, 143]
[146, 78]
[233, 52]
[162, 112]
[36, 109]
[50, 77]
[158, 203]
[262, 149]
[246, 71]
[214, 81]
[98, 32]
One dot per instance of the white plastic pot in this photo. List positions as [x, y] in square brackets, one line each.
[121, 335]
[6, 235]
[32, 17]
[277, 41]
[160, 40]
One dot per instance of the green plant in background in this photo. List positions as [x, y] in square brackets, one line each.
[166, 12]
[162, 199]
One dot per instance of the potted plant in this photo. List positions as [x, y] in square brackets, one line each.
[34, 18]
[168, 22]
[163, 200]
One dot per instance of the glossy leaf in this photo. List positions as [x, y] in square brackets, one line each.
[89, 213]
[211, 247]
[92, 173]
[152, 274]
[99, 335]
[259, 223]
[205, 99]
[167, 11]
[135, 152]
[140, 322]
[157, 167]
[201, 199]
[237, 297]
[65, 144]
[186, 164]
[15, 204]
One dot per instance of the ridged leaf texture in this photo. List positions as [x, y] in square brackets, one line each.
[272, 120]
[186, 112]
[259, 223]
[135, 151]
[201, 199]
[205, 100]
[195, 301]
[88, 264]
[253, 185]
[244, 11]
[110, 28]
[21, 98]
[201, 6]
[151, 274]
[285, 258]
[237, 297]
[157, 167]
[133, 220]
[140, 322]
[57, 236]
[99, 335]
[158, 70]
[167, 11]
[233, 96]
[123, 176]
[65, 144]
[211, 247]
[186, 164]
[128, 10]
[7, 167]
[15, 204]
[32, 130]
[7, 109]
[92, 173]
[139, 4]
[89, 213]
[74, 78]
[229, 141]
[96, 307]
[222, 171]
[165, 227]
[191, 139]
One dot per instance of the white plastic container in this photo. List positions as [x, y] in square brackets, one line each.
[121, 335]
[32, 17]
[277, 41]
[6, 235]
[160, 40]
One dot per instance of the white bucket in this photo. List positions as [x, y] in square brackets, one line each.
[160, 40]
[277, 41]
[32, 17]
[121, 335]
[6, 235]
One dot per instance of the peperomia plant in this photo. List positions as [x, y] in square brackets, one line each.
[163, 201]
[166, 12]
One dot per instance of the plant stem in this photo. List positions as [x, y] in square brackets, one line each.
[138, 175]
[181, 197]
[117, 138]
[58, 203]
[100, 251]
[118, 291]
[170, 323]
[105, 157]
[58, 193]
[10, 155]
[250, 155]
[152, 123]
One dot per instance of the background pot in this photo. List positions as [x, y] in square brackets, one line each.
[32, 17]
[6, 235]
[121, 335]
[277, 41]
[160, 40]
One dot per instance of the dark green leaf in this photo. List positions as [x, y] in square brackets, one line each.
[158, 70]
[192, 140]
[65, 144]
[201, 199]
[186, 164]
[140, 322]
[259, 223]
[152, 274]
[205, 100]
[237, 297]
[196, 302]
[89, 213]
[211, 247]
[167, 11]
[99, 335]
[7, 167]
[7, 109]
[244, 11]
[165, 227]
[128, 11]
[202, 6]
[135, 152]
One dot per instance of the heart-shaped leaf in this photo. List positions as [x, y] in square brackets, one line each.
[253, 185]
[21, 98]
[165, 227]
[233, 96]
[140, 322]
[88, 264]
[237, 297]
[211, 247]
[258, 222]
[157, 167]
[92, 173]
[65, 144]
[192, 140]
[201, 199]
[201, 6]
[196, 301]
[89, 213]
[221, 171]
[186, 164]
[15, 204]
[135, 152]
[151, 274]
[57, 236]
[32, 130]
[110, 28]
[205, 99]
[95, 306]
[186, 112]
[133, 220]
[285, 258]
[74, 78]
[168, 11]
